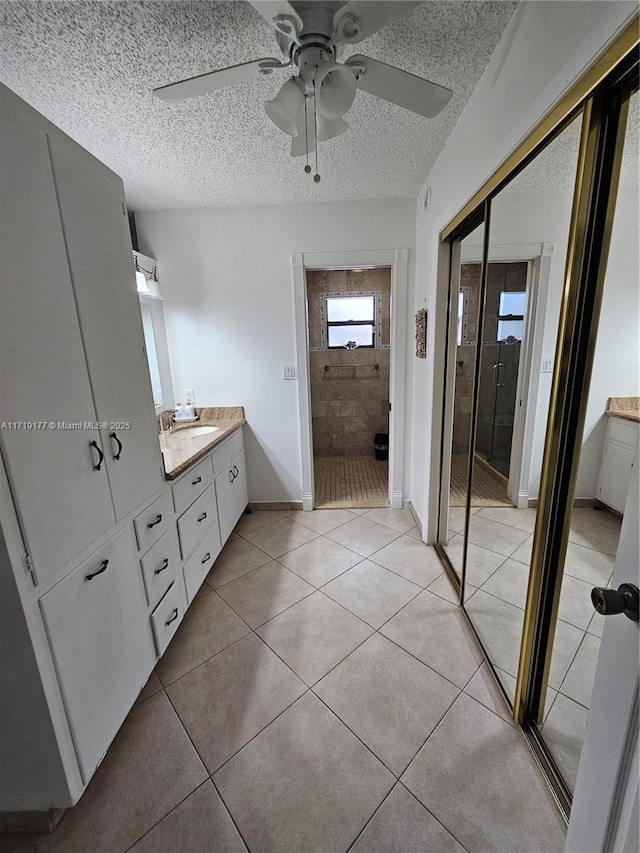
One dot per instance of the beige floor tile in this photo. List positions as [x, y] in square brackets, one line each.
[205, 589]
[264, 592]
[236, 559]
[322, 520]
[483, 688]
[363, 536]
[364, 692]
[575, 602]
[509, 582]
[410, 558]
[209, 626]
[588, 565]
[495, 536]
[256, 520]
[230, 698]
[481, 562]
[306, 783]
[522, 519]
[477, 761]
[435, 632]
[276, 539]
[200, 824]
[153, 686]
[415, 533]
[149, 769]
[403, 824]
[523, 553]
[563, 731]
[398, 519]
[599, 530]
[578, 682]
[456, 518]
[320, 560]
[443, 587]
[372, 592]
[314, 635]
[596, 626]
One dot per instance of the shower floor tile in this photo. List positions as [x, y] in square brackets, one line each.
[350, 481]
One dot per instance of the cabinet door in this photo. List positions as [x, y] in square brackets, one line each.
[96, 231]
[63, 503]
[225, 497]
[240, 484]
[615, 476]
[98, 628]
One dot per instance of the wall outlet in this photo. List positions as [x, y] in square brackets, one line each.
[190, 396]
[289, 371]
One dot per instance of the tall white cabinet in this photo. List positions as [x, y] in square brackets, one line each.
[80, 466]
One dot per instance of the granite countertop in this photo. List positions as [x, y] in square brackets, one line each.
[180, 449]
[627, 408]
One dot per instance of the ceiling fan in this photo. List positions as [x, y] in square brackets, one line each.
[311, 35]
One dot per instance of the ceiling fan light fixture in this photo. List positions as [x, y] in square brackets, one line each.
[285, 109]
[330, 127]
[335, 87]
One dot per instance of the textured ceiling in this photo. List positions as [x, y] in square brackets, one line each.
[90, 67]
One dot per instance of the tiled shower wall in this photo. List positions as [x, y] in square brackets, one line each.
[350, 401]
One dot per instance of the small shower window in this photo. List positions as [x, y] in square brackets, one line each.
[511, 315]
[351, 321]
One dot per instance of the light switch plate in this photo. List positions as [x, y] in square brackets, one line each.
[190, 396]
[289, 371]
[547, 365]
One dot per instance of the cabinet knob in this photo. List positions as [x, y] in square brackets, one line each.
[95, 446]
[103, 568]
[202, 517]
[625, 599]
[157, 521]
[115, 438]
[164, 565]
[174, 616]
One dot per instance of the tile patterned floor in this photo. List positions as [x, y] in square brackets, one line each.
[498, 571]
[489, 489]
[322, 695]
[350, 481]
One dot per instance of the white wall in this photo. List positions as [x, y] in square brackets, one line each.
[545, 48]
[226, 277]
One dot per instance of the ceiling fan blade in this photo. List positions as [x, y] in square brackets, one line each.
[270, 9]
[401, 88]
[370, 15]
[213, 80]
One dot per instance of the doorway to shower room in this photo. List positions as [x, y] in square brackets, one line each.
[349, 359]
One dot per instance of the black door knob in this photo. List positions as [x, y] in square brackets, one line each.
[625, 599]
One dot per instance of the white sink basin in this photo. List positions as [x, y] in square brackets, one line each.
[200, 430]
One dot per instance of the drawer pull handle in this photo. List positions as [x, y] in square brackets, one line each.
[235, 471]
[164, 565]
[157, 521]
[103, 568]
[231, 477]
[202, 517]
[94, 444]
[174, 616]
[206, 557]
[112, 435]
[196, 481]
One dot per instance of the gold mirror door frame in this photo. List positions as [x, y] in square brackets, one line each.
[604, 103]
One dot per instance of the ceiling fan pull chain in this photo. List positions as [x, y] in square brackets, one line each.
[316, 177]
[307, 168]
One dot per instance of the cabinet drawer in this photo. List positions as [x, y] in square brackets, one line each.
[166, 618]
[192, 484]
[624, 432]
[96, 621]
[151, 524]
[223, 454]
[158, 569]
[199, 563]
[193, 523]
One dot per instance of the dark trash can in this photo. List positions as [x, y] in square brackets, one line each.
[381, 445]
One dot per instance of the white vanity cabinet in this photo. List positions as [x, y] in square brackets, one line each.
[96, 621]
[85, 515]
[620, 445]
[230, 483]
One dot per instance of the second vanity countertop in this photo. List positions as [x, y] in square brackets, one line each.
[627, 408]
[180, 449]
